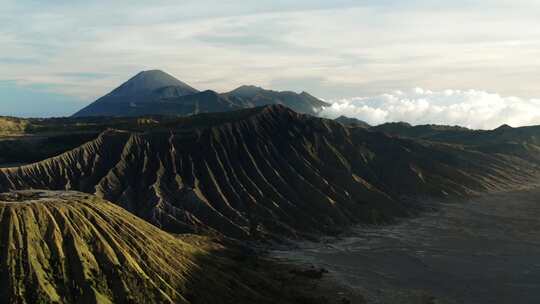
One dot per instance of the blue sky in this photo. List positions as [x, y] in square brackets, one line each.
[58, 56]
[35, 101]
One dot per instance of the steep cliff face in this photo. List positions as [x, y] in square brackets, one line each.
[266, 171]
[68, 247]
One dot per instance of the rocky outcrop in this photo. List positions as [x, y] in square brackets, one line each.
[266, 171]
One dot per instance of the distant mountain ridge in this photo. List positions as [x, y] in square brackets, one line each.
[155, 92]
[148, 81]
[350, 121]
[252, 96]
[145, 87]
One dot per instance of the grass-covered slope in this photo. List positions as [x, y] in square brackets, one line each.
[69, 247]
[12, 125]
[266, 171]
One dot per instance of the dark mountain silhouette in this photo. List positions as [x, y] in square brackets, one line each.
[354, 122]
[404, 129]
[523, 142]
[252, 96]
[158, 93]
[247, 91]
[201, 102]
[266, 172]
[150, 81]
[504, 127]
[461, 135]
[145, 87]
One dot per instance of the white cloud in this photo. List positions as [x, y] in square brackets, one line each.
[334, 48]
[470, 108]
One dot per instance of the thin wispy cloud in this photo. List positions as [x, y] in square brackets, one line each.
[334, 49]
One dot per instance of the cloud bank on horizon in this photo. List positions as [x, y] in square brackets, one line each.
[469, 108]
[71, 52]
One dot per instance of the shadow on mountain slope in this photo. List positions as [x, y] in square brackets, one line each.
[266, 172]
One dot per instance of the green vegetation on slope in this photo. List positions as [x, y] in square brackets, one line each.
[13, 126]
[68, 247]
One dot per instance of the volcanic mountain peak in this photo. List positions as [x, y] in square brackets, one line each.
[351, 121]
[253, 96]
[155, 92]
[144, 88]
[148, 81]
[504, 127]
[247, 91]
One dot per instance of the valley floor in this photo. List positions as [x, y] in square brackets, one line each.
[483, 250]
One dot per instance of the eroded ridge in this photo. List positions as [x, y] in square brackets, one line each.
[267, 171]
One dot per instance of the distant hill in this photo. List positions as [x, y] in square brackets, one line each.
[354, 122]
[145, 87]
[150, 81]
[200, 102]
[158, 93]
[252, 96]
[461, 135]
